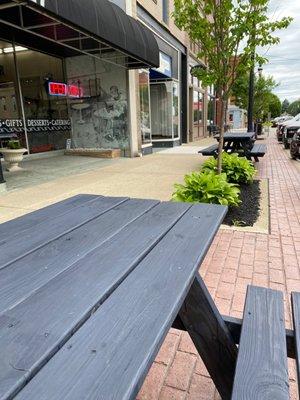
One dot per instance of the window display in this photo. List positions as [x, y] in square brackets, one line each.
[165, 110]
[47, 121]
[99, 117]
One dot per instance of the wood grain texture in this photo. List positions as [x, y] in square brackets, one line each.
[110, 355]
[261, 371]
[24, 243]
[29, 273]
[296, 321]
[32, 331]
[29, 221]
[210, 335]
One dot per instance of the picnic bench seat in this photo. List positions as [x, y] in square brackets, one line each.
[258, 150]
[210, 151]
[261, 371]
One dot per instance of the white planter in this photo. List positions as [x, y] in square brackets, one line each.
[13, 157]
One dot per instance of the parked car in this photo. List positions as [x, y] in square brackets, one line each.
[286, 123]
[295, 145]
[277, 121]
[288, 134]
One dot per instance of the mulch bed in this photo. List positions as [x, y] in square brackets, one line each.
[248, 212]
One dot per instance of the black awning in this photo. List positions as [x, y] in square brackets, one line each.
[96, 27]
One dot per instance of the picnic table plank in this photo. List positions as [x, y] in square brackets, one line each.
[240, 136]
[30, 220]
[261, 370]
[55, 311]
[110, 355]
[26, 242]
[34, 270]
[296, 321]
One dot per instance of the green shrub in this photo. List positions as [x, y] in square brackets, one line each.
[14, 145]
[238, 169]
[202, 187]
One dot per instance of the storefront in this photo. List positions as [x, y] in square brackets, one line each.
[64, 73]
[162, 91]
[197, 107]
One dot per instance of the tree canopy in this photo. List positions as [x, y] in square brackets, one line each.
[229, 33]
[264, 100]
[294, 108]
[285, 106]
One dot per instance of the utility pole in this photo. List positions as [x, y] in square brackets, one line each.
[251, 97]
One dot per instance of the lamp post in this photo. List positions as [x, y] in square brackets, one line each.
[251, 96]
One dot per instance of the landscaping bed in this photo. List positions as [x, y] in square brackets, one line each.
[248, 211]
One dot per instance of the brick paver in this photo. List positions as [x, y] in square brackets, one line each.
[235, 260]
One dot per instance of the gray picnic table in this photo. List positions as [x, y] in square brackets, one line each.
[242, 143]
[90, 287]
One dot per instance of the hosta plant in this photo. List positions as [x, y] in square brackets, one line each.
[202, 187]
[238, 169]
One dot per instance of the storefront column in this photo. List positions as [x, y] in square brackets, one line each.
[20, 96]
[132, 96]
[133, 113]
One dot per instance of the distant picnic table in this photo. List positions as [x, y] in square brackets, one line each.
[242, 143]
[90, 287]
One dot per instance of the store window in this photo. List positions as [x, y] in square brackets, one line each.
[211, 106]
[145, 106]
[99, 113]
[46, 112]
[176, 109]
[197, 114]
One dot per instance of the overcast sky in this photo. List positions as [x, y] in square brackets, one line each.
[284, 59]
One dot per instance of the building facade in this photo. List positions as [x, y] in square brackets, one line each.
[108, 75]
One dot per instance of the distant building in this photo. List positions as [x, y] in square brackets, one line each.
[237, 117]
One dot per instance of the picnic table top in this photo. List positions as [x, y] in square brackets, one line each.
[237, 136]
[89, 289]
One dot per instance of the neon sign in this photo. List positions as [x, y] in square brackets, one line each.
[74, 91]
[57, 89]
[61, 89]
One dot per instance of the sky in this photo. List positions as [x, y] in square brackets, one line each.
[284, 59]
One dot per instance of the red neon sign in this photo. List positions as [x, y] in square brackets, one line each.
[74, 91]
[57, 89]
[61, 89]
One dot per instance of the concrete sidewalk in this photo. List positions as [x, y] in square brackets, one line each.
[152, 176]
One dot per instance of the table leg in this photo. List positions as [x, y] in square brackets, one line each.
[210, 335]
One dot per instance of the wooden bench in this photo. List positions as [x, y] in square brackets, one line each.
[210, 151]
[258, 150]
[261, 371]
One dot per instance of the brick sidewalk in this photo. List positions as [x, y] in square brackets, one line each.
[235, 260]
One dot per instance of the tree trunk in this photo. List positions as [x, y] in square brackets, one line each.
[222, 130]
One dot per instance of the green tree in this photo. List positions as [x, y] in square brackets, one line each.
[274, 105]
[285, 106]
[229, 32]
[263, 96]
[294, 108]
